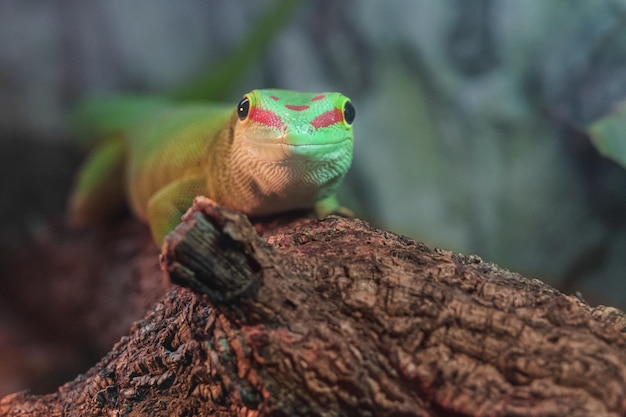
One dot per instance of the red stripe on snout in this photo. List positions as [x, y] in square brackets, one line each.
[296, 108]
[328, 118]
[265, 117]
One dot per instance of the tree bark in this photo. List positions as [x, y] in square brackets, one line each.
[336, 318]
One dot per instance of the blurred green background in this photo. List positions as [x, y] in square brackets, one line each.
[471, 114]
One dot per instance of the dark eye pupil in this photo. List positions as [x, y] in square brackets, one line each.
[348, 112]
[243, 108]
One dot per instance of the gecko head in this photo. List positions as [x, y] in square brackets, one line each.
[291, 149]
[282, 125]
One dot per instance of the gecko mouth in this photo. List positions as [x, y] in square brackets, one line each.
[283, 141]
[322, 152]
[326, 145]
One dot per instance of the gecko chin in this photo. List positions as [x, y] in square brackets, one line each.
[279, 176]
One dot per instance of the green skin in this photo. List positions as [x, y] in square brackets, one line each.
[277, 151]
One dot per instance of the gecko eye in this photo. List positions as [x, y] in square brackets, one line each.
[243, 108]
[348, 112]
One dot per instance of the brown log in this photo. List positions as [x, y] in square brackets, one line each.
[334, 317]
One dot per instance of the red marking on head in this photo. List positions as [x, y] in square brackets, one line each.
[265, 117]
[274, 98]
[296, 108]
[321, 96]
[328, 118]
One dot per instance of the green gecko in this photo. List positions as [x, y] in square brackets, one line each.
[277, 150]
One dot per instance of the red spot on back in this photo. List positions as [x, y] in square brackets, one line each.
[296, 108]
[321, 96]
[328, 118]
[265, 117]
[274, 98]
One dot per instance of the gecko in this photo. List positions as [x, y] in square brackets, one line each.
[275, 151]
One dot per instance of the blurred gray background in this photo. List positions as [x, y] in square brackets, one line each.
[470, 113]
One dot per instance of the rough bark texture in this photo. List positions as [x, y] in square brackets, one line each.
[335, 317]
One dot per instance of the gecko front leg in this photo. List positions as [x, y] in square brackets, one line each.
[166, 207]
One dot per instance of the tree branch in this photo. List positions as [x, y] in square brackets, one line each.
[335, 317]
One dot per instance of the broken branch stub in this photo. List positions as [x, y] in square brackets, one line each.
[212, 251]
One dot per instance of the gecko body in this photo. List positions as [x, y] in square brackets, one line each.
[277, 150]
